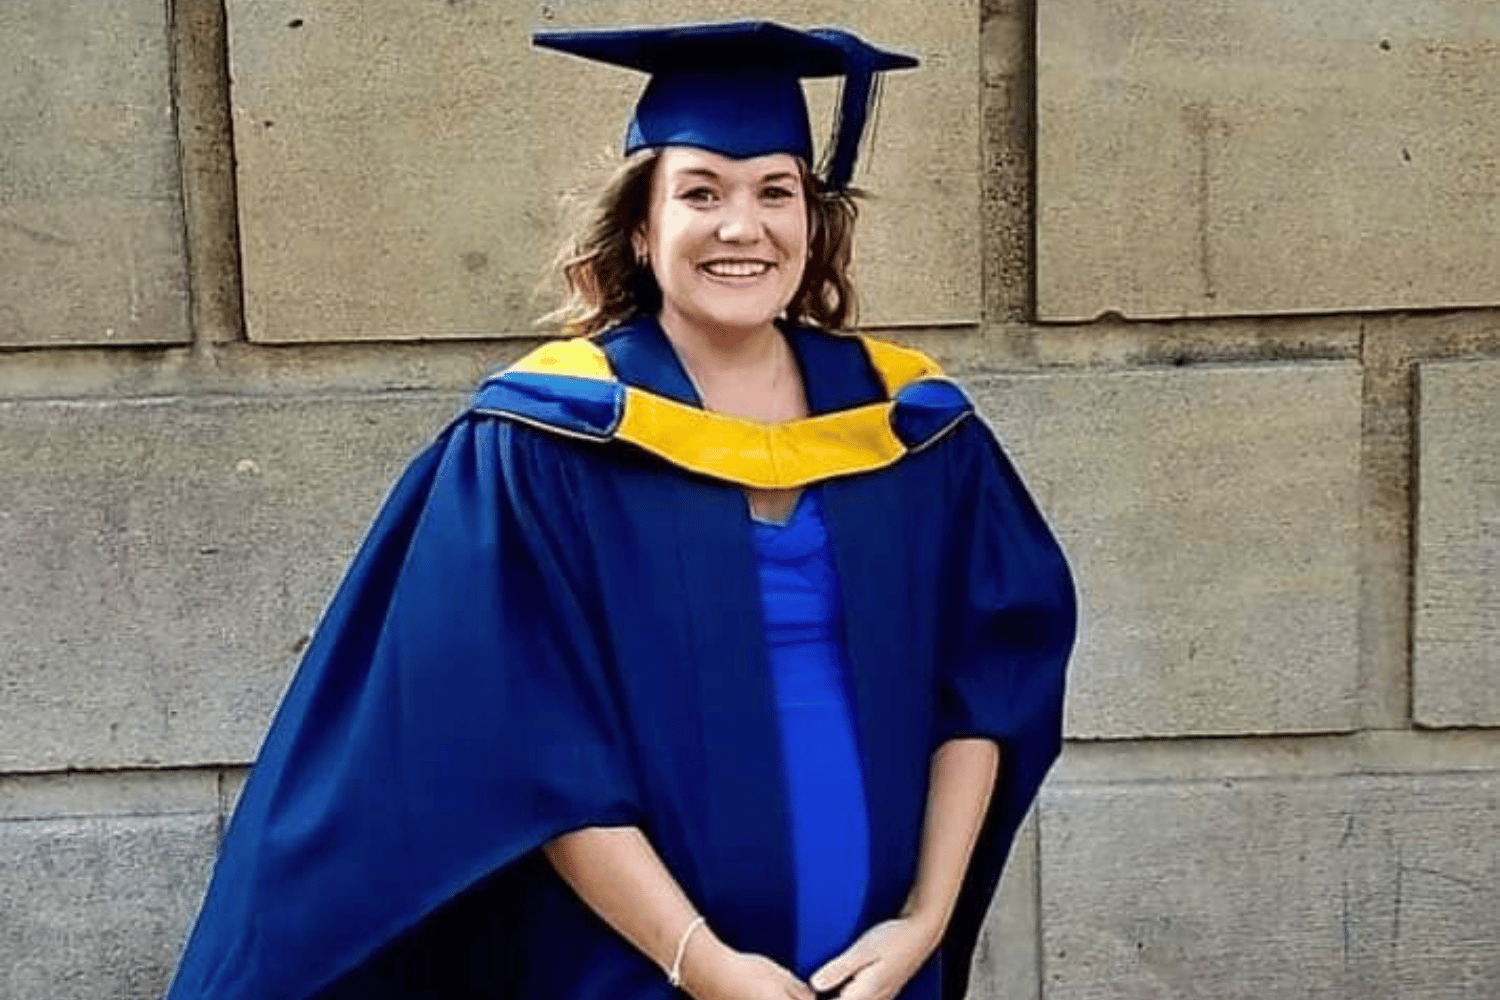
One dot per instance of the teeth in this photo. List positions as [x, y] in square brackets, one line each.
[737, 268]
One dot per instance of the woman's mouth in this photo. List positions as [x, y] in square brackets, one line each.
[736, 268]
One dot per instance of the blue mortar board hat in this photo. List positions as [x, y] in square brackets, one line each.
[735, 88]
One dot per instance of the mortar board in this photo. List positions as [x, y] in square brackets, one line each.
[735, 88]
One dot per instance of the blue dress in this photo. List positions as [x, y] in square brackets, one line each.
[820, 752]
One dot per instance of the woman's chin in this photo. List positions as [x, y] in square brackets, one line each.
[737, 320]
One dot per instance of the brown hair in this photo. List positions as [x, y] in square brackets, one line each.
[606, 285]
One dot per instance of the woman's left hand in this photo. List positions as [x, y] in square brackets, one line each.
[879, 964]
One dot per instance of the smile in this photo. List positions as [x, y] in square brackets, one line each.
[736, 268]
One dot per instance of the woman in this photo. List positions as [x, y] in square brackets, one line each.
[718, 651]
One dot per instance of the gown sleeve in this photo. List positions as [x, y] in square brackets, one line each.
[1012, 620]
[451, 714]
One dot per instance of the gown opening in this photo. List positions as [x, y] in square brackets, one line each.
[820, 751]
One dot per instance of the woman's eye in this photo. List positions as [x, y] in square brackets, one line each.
[778, 193]
[699, 196]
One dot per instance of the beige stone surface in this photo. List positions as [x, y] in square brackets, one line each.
[78, 795]
[1456, 642]
[1375, 888]
[231, 785]
[1211, 518]
[1005, 959]
[1207, 758]
[200, 76]
[400, 164]
[165, 559]
[1266, 156]
[90, 204]
[99, 907]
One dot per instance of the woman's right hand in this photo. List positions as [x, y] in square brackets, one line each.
[711, 970]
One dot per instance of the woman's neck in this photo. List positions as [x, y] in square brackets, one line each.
[750, 374]
[709, 352]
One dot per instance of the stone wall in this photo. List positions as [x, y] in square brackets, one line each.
[1221, 276]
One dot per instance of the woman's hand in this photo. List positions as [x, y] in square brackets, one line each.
[883, 960]
[714, 971]
[879, 964]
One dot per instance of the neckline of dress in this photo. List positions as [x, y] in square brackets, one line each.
[797, 508]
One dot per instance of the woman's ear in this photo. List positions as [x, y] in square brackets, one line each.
[640, 246]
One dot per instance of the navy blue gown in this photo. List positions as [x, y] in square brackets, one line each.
[558, 621]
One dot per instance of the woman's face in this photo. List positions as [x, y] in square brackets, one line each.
[727, 239]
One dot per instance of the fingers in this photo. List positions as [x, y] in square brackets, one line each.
[840, 969]
[870, 983]
[796, 989]
[792, 987]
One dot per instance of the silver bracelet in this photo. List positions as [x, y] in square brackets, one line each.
[675, 975]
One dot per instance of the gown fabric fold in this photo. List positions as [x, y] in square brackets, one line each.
[542, 633]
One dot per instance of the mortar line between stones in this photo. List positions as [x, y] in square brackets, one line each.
[982, 141]
[102, 814]
[980, 154]
[198, 56]
[1413, 527]
[176, 91]
[1036, 894]
[1387, 489]
[221, 785]
[31, 373]
[1029, 96]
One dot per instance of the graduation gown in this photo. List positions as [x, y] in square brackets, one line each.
[554, 623]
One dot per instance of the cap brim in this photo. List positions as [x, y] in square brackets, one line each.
[711, 47]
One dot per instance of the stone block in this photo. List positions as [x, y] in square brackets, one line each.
[1005, 960]
[400, 165]
[231, 784]
[1377, 888]
[1457, 627]
[1211, 517]
[1266, 156]
[165, 560]
[76, 794]
[99, 907]
[90, 202]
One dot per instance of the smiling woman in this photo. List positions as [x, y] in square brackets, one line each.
[726, 241]
[606, 268]
[715, 649]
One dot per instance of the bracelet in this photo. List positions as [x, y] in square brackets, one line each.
[675, 975]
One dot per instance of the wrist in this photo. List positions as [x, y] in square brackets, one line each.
[929, 922]
[702, 962]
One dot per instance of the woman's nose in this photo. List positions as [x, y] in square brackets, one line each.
[741, 224]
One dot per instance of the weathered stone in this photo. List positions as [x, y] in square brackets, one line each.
[90, 205]
[1457, 627]
[128, 793]
[231, 784]
[399, 164]
[1005, 960]
[1377, 888]
[1211, 517]
[99, 907]
[1266, 156]
[200, 70]
[1303, 755]
[165, 559]
[1008, 151]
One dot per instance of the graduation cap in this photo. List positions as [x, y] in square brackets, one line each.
[735, 88]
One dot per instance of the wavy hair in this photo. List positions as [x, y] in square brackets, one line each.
[605, 284]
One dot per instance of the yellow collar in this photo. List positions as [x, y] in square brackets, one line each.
[568, 387]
